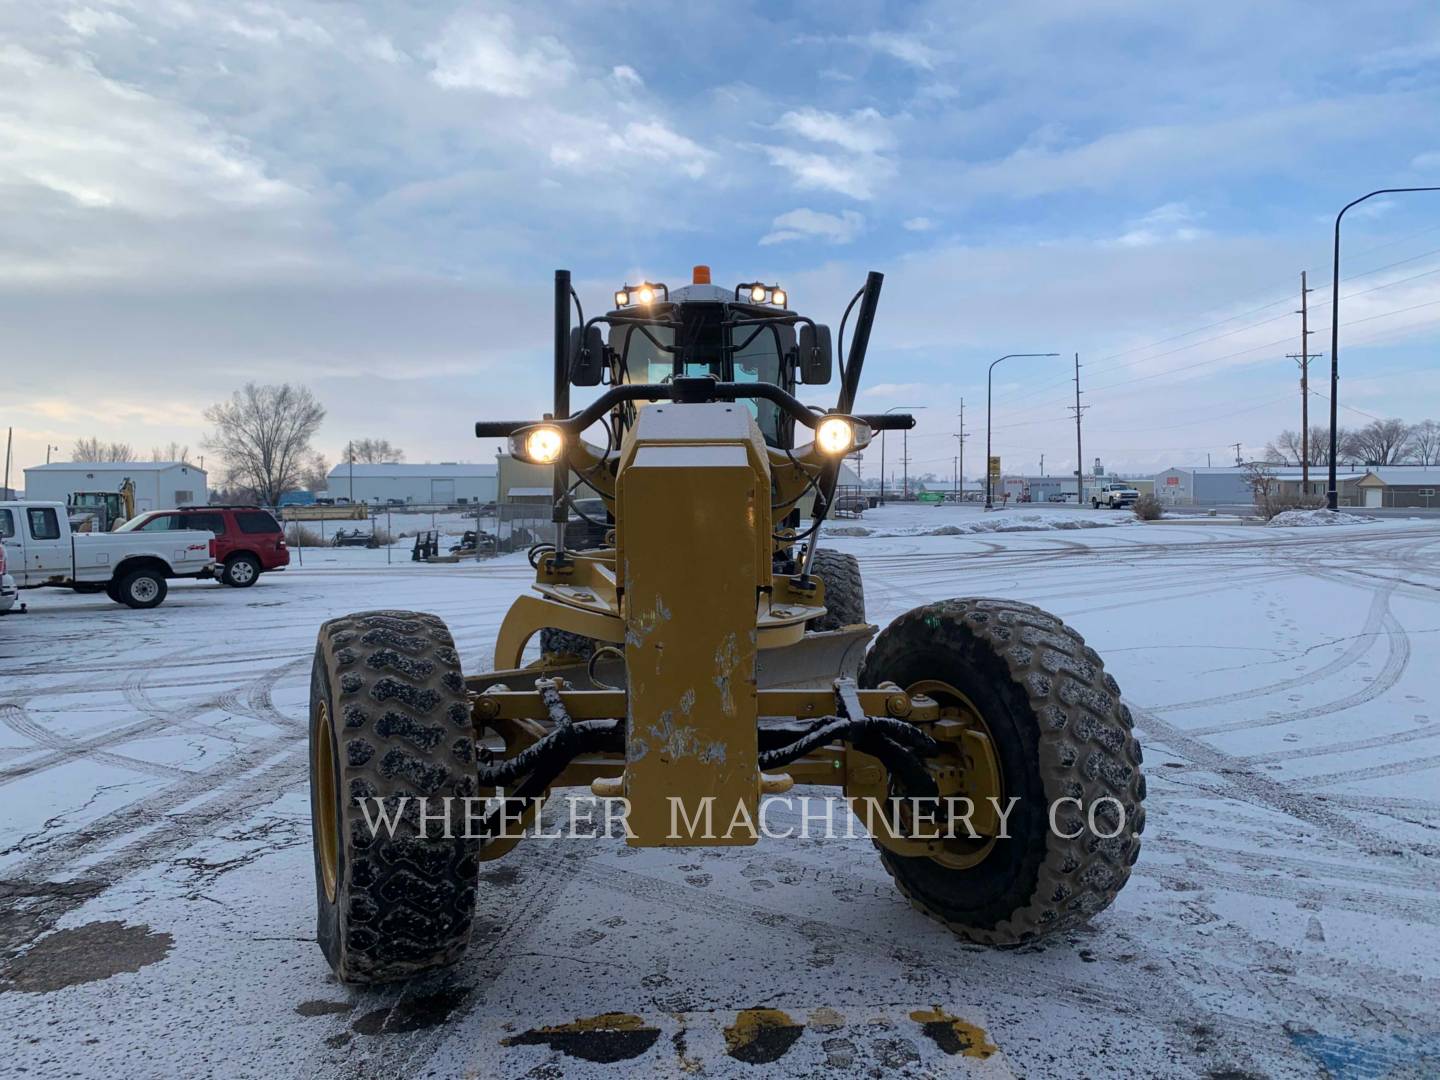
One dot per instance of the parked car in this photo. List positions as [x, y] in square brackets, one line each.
[9, 591]
[1114, 495]
[41, 550]
[248, 539]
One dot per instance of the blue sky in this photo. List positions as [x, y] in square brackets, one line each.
[370, 198]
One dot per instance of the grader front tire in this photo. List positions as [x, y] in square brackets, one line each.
[1059, 731]
[844, 591]
[389, 720]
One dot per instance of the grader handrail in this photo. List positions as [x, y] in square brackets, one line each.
[689, 390]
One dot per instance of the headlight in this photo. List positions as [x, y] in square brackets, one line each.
[541, 445]
[645, 294]
[622, 298]
[778, 297]
[757, 294]
[835, 435]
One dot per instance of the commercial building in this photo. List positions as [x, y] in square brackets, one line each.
[447, 483]
[1398, 485]
[159, 485]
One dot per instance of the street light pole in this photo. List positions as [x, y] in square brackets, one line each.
[897, 408]
[1332, 495]
[989, 380]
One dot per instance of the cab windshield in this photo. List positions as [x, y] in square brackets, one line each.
[755, 354]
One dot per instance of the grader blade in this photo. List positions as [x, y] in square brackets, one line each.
[815, 661]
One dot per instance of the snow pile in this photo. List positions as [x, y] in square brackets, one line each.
[1310, 518]
[996, 523]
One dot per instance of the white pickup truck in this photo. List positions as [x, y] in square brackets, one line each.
[1114, 495]
[131, 568]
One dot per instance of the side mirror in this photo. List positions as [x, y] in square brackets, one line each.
[587, 356]
[816, 354]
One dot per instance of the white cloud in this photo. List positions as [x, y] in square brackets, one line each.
[486, 54]
[862, 134]
[907, 48]
[1172, 222]
[863, 131]
[807, 224]
[820, 172]
[149, 157]
[626, 75]
[88, 22]
[656, 142]
[918, 224]
[1426, 162]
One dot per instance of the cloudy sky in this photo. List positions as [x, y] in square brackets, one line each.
[369, 198]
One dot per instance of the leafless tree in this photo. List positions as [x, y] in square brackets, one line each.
[263, 435]
[1260, 477]
[315, 476]
[92, 449]
[1286, 448]
[1381, 442]
[376, 452]
[1425, 442]
[174, 452]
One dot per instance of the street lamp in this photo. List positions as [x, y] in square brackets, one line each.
[1332, 495]
[897, 408]
[989, 482]
[49, 448]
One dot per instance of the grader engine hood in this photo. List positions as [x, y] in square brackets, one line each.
[693, 554]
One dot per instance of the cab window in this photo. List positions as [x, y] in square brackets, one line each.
[7, 524]
[759, 357]
[44, 523]
[644, 361]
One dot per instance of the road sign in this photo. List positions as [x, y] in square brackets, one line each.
[995, 468]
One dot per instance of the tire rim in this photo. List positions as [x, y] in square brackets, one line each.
[242, 571]
[960, 853]
[143, 590]
[327, 828]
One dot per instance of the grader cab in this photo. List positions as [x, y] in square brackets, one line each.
[714, 655]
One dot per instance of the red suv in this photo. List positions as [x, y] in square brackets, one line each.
[248, 539]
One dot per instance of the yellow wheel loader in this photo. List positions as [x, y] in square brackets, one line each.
[709, 657]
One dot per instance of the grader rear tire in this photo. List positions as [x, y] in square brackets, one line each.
[844, 591]
[1059, 730]
[389, 719]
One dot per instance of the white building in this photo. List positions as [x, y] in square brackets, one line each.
[443, 484]
[159, 485]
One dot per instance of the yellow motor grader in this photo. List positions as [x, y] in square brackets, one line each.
[711, 655]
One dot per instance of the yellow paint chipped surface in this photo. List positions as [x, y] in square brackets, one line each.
[614, 1021]
[750, 1023]
[971, 1039]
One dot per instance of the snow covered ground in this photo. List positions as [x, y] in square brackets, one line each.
[158, 897]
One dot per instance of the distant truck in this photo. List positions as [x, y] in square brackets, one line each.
[132, 568]
[1114, 496]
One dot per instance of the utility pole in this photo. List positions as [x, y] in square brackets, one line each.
[1077, 408]
[905, 466]
[1042, 464]
[1303, 358]
[962, 437]
[955, 476]
[1237, 454]
[9, 439]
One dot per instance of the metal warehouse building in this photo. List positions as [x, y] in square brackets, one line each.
[445, 484]
[159, 485]
[1203, 486]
